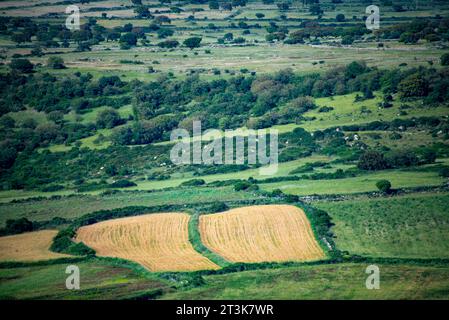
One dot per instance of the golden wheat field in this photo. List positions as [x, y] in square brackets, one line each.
[159, 242]
[31, 246]
[260, 233]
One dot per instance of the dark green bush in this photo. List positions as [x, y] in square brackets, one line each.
[383, 186]
[193, 182]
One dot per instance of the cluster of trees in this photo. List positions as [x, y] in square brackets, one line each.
[160, 106]
[374, 160]
[426, 29]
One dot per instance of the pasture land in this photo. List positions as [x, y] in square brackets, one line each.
[362, 183]
[30, 246]
[260, 233]
[76, 206]
[99, 280]
[159, 242]
[323, 282]
[411, 226]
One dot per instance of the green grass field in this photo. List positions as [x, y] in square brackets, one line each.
[321, 282]
[78, 205]
[412, 226]
[363, 183]
[99, 280]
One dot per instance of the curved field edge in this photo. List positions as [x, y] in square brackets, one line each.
[318, 219]
[29, 246]
[261, 233]
[198, 245]
[157, 241]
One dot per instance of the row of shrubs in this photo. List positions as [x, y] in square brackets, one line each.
[21, 225]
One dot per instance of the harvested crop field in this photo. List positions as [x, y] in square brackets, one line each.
[30, 246]
[260, 233]
[159, 242]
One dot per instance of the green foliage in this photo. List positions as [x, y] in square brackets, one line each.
[193, 182]
[195, 240]
[384, 186]
[372, 160]
[445, 59]
[122, 184]
[192, 42]
[17, 226]
[108, 118]
[21, 65]
[63, 243]
[55, 63]
[242, 185]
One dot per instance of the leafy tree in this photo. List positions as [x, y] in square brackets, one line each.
[218, 207]
[283, 6]
[384, 186]
[164, 33]
[128, 27]
[347, 40]
[111, 170]
[444, 172]
[55, 116]
[226, 6]
[7, 157]
[214, 5]
[122, 184]
[372, 160]
[260, 15]
[21, 65]
[128, 40]
[19, 225]
[193, 42]
[445, 59]
[228, 36]
[242, 185]
[238, 3]
[315, 9]
[142, 12]
[298, 106]
[55, 63]
[162, 19]
[83, 46]
[168, 44]
[37, 51]
[108, 118]
[413, 86]
[193, 182]
[21, 37]
[7, 122]
[403, 158]
[340, 17]
[354, 69]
